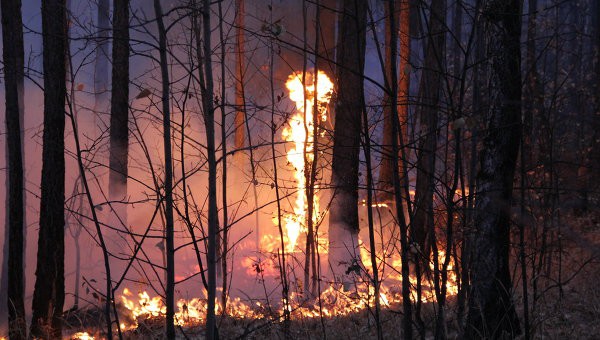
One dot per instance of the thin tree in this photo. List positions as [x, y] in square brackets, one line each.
[169, 227]
[49, 293]
[491, 310]
[12, 39]
[204, 52]
[240, 66]
[343, 214]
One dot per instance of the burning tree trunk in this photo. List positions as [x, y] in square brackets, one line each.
[343, 214]
[491, 311]
[429, 97]
[12, 39]
[119, 110]
[169, 228]
[49, 293]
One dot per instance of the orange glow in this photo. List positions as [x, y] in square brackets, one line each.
[300, 133]
[81, 336]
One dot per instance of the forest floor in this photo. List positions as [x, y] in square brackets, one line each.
[567, 305]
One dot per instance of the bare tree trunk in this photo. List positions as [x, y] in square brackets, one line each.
[169, 228]
[407, 317]
[49, 293]
[343, 214]
[386, 170]
[491, 311]
[427, 111]
[240, 68]
[101, 65]
[119, 110]
[224, 235]
[12, 39]
[209, 124]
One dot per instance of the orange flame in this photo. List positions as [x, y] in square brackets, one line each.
[301, 133]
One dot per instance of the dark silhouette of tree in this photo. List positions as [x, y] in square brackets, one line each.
[427, 111]
[101, 62]
[12, 39]
[49, 293]
[491, 310]
[119, 109]
[169, 224]
[343, 214]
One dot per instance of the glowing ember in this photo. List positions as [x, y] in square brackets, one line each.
[81, 336]
[301, 133]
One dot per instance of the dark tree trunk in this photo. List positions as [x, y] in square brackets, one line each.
[207, 90]
[491, 310]
[169, 227]
[386, 171]
[101, 65]
[49, 293]
[12, 39]
[343, 214]
[427, 111]
[119, 109]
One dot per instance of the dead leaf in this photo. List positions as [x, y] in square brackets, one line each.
[143, 94]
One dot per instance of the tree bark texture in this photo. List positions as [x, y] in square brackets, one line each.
[49, 293]
[491, 310]
[12, 39]
[343, 214]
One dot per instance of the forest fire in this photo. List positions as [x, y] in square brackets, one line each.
[300, 132]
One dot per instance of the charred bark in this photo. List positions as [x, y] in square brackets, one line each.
[49, 293]
[343, 214]
[12, 39]
[491, 310]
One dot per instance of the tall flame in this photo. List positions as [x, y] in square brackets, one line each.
[301, 133]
